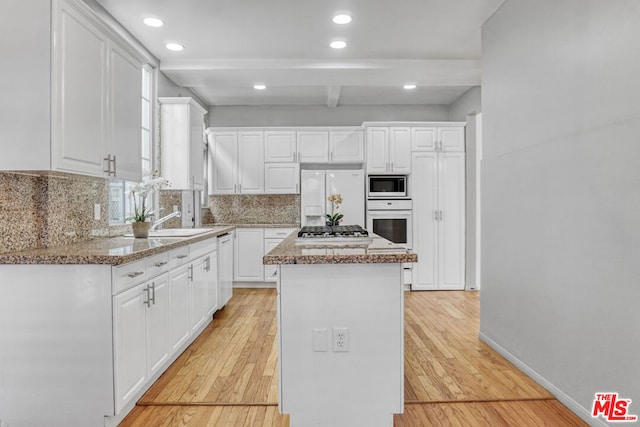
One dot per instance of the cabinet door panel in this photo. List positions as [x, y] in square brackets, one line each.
[377, 150]
[280, 146]
[452, 225]
[424, 181]
[130, 352]
[400, 149]
[423, 139]
[211, 301]
[158, 324]
[198, 293]
[249, 248]
[223, 165]
[282, 178]
[126, 117]
[346, 146]
[196, 149]
[251, 162]
[79, 122]
[225, 270]
[179, 327]
[452, 138]
[313, 146]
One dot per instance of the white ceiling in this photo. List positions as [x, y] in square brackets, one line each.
[232, 44]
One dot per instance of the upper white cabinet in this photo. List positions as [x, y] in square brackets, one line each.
[282, 178]
[182, 142]
[437, 138]
[388, 150]
[280, 146]
[237, 163]
[346, 146]
[91, 81]
[313, 146]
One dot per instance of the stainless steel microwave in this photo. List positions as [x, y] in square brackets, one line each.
[387, 187]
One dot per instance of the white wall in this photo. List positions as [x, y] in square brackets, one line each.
[468, 103]
[561, 193]
[348, 115]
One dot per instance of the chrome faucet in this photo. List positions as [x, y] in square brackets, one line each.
[164, 219]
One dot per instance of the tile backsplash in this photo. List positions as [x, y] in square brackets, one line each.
[256, 209]
[49, 210]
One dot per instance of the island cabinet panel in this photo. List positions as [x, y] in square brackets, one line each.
[249, 249]
[363, 385]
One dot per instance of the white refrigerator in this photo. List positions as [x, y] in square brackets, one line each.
[317, 185]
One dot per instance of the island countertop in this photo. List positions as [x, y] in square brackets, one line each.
[107, 250]
[379, 251]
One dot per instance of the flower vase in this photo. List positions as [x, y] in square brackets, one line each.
[141, 229]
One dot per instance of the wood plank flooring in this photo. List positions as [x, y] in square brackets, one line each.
[228, 376]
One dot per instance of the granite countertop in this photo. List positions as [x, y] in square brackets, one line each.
[107, 250]
[257, 225]
[380, 250]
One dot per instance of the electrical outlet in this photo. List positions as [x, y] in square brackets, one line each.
[340, 339]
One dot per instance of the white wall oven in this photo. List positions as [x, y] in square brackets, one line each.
[387, 187]
[391, 219]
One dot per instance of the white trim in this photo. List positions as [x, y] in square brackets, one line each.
[256, 285]
[564, 398]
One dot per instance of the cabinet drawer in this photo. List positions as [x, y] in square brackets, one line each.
[178, 256]
[128, 275]
[157, 264]
[199, 249]
[277, 233]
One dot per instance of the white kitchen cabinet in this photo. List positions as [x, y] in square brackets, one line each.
[280, 146]
[313, 146]
[198, 292]
[272, 238]
[388, 150]
[225, 269]
[282, 178]
[96, 120]
[237, 166]
[211, 285]
[158, 316]
[346, 146]
[249, 249]
[438, 138]
[223, 172]
[182, 142]
[438, 182]
[179, 325]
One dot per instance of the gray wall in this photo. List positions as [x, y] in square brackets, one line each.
[348, 115]
[166, 87]
[468, 103]
[561, 194]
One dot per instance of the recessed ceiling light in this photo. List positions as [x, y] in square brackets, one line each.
[342, 18]
[410, 86]
[338, 44]
[153, 22]
[175, 47]
[259, 86]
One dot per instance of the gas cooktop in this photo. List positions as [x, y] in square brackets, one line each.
[335, 231]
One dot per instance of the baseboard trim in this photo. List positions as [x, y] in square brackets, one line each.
[564, 398]
[259, 285]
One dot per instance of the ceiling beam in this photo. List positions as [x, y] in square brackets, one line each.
[333, 96]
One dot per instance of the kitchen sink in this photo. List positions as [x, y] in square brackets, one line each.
[175, 232]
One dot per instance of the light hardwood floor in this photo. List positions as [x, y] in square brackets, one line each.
[228, 377]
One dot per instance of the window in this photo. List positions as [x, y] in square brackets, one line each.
[120, 203]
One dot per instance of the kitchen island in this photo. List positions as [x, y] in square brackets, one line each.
[340, 331]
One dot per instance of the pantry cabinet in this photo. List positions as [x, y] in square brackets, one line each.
[182, 142]
[438, 138]
[438, 182]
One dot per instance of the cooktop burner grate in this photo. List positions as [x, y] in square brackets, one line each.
[332, 231]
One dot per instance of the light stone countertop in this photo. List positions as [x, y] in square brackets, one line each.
[379, 251]
[257, 225]
[107, 250]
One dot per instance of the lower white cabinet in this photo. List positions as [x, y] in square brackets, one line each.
[249, 249]
[272, 238]
[141, 336]
[225, 269]
[179, 326]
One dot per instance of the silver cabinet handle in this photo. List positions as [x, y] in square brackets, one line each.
[114, 166]
[331, 156]
[135, 274]
[435, 215]
[108, 160]
[275, 273]
[297, 188]
[440, 215]
[146, 301]
[235, 188]
[207, 263]
[240, 188]
[190, 273]
[160, 264]
[182, 256]
[152, 298]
